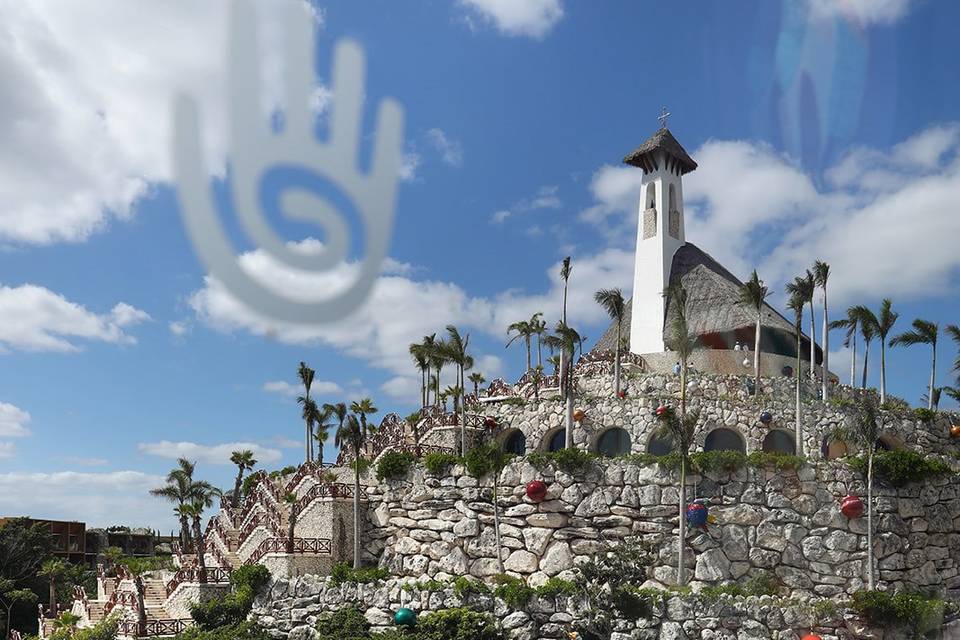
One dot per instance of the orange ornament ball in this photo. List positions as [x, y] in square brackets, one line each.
[811, 636]
[955, 431]
[579, 415]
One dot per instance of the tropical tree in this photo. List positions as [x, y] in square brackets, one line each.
[863, 429]
[868, 331]
[362, 409]
[679, 428]
[954, 332]
[438, 350]
[321, 431]
[850, 325]
[539, 327]
[290, 499]
[203, 495]
[883, 323]
[419, 354]
[350, 434]
[554, 360]
[338, 411]
[613, 303]
[10, 597]
[753, 295]
[178, 490]
[564, 340]
[536, 378]
[680, 340]
[924, 332]
[455, 351]
[245, 462]
[523, 329]
[490, 458]
[53, 570]
[477, 379]
[565, 270]
[66, 621]
[796, 304]
[306, 374]
[821, 273]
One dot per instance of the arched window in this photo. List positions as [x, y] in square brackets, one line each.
[888, 442]
[650, 213]
[651, 196]
[724, 440]
[613, 442]
[660, 444]
[833, 449]
[778, 441]
[557, 441]
[673, 198]
[515, 442]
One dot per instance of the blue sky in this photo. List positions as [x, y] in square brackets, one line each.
[823, 129]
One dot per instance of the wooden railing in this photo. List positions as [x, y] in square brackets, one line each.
[269, 521]
[320, 546]
[335, 490]
[191, 575]
[152, 628]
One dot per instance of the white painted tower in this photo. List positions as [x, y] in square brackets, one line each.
[659, 234]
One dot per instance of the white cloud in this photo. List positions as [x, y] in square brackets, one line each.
[291, 390]
[179, 328]
[532, 18]
[287, 443]
[37, 319]
[451, 152]
[85, 462]
[6, 452]
[99, 499]
[13, 421]
[211, 454]
[861, 11]
[79, 84]
[408, 166]
[545, 198]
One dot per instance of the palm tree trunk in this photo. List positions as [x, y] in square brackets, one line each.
[356, 509]
[799, 429]
[496, 522]
[853, 362]
[883, 369]
[539, 352]
[292, 528]
[866, 358]
[463, 412]
[824, 371]
[236, 488]
[813, 341]
[568, 409]
[201, 549]
[616, 364]
[53, 596]
[933, 378]
[756, 355]
[427, 384]
[141, 606]
[184, 534]
[423, 388]
[870, 579]
[527, 341]
[683, 387]
[681, 542]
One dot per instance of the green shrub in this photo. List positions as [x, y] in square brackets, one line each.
[775, 459]
[514, 402]
[426, 585]
[255, 576]
[457, 624]
[104, 630]
[909, 610]
[437, 464]
[556, 587]
[901, 467]
[485, 458]
[723, 461]
[394, 465]
[764, 584]
[514, 591]
[232, 609]
[924, 415]
[464, 586]
[343, 572]
[346, 624]
[239, 631]
[572, 461]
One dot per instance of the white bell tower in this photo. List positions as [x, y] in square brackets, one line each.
[659, 233]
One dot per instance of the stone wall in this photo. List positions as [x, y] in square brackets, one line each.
[179, 602]
[291, 609]
[767, 520]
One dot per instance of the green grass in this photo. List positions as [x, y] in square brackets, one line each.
[901, 467]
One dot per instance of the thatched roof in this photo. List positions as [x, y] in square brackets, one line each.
[714, 312]
[645, 156]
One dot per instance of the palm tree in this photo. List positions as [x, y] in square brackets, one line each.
[564, 340]
[954, 332]
[864, 430]
[290, 499]
[554, 360]
[53, 570]
[338, 411]
[429, 346]
[178, 490]
[850, 323]
[868, 331]
[680, 339]
[804, 287]
[797, 303]
[613, 303]
[539, 327]
[306, 377]
[322, 430]
[680, 428]
[456, 352]
[537, 378]
[310, 414]
[753, 294]
[350, 433]
[362, 409]
[244, 461]
[924, 332]
[523, 330]
[477, 379]
[203, 495]
[438, 358]
[821, 273]
[884, 323]
[565, 270]
[419, 355]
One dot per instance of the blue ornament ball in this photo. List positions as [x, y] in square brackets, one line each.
[697, 515]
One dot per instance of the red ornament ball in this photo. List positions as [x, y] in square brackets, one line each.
[579, 415]
[852, 507]
[661, 411]
[537, 490]
[811, 636]
[955, 431]
[622, 394]
[490, 422]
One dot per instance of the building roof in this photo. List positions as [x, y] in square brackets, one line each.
[713, 300]
[645, 155]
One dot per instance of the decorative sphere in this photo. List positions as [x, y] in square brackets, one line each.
[536, 490]
[787, 371]
[405, 617]
[811, 636]
[490, 422]
[579, 415]
[697, 514]
[766, 417]
[660, 411]
[852, 507]
[955, 431]
[746, 362]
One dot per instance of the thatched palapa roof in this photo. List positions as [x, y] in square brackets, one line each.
[646, 157]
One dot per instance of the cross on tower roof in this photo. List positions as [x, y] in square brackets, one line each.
[664, 114]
